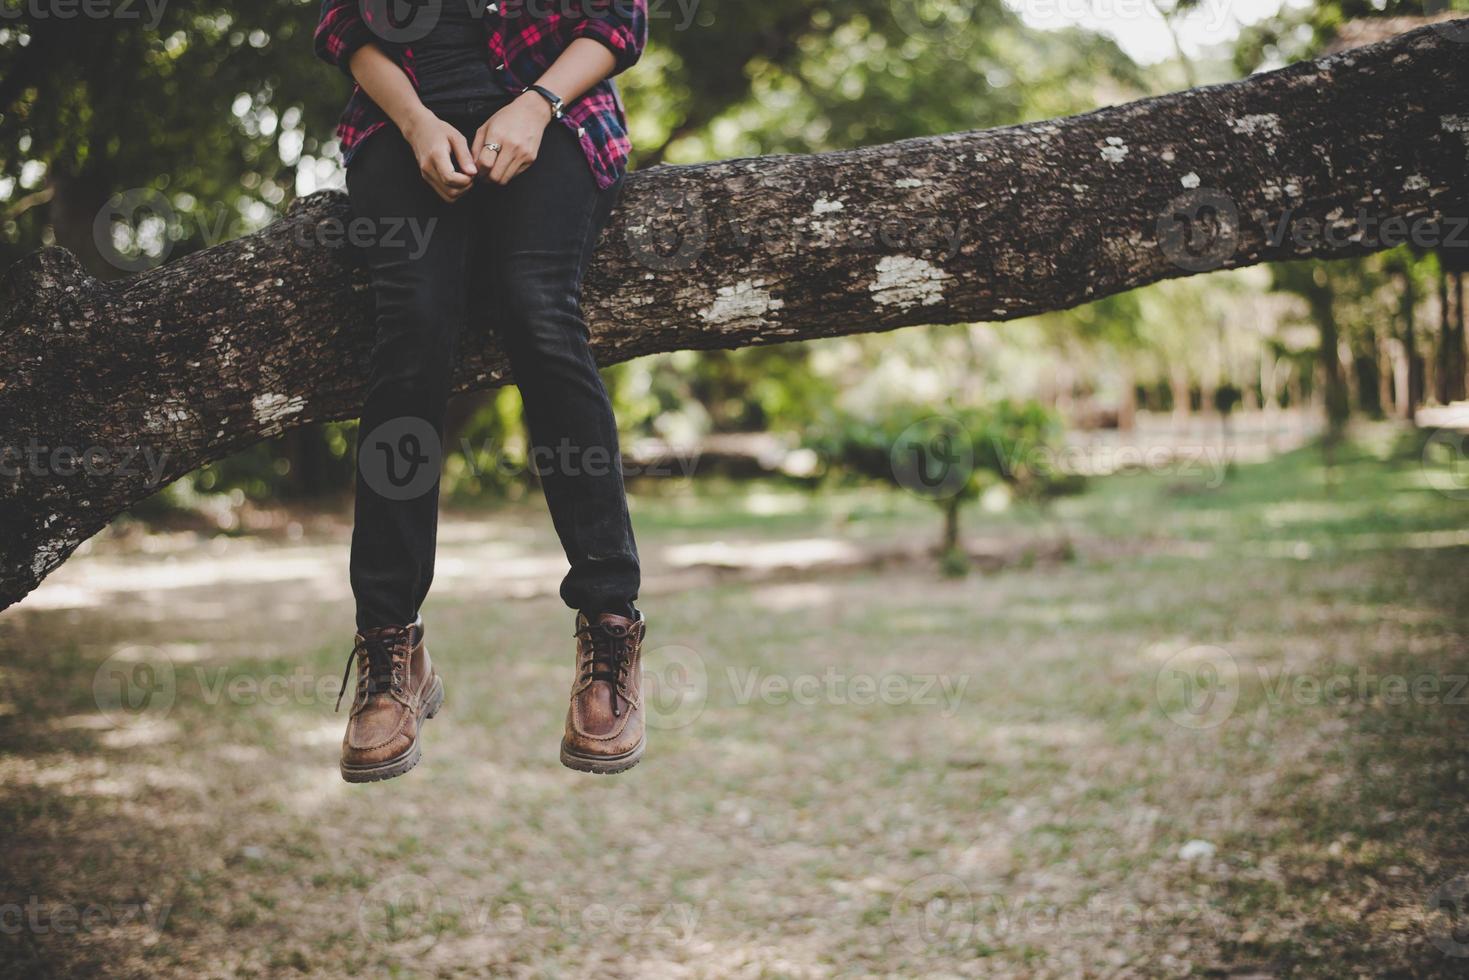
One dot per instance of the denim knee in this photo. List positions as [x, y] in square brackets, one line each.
[415, 346]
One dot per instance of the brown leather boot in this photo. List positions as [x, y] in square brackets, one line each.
[604, 725]
[396, 690]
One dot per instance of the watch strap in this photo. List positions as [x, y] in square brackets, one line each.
[557, 104]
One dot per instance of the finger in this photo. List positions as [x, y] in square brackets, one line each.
[505, 165]
[521, 166]
[487, 158]
[462, 155]
[488, 155]
[443, 165]
[448, 194]
[439, 166]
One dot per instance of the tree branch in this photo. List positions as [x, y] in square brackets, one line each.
[148, 378]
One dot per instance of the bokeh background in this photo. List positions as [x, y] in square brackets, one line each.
[1165, 672]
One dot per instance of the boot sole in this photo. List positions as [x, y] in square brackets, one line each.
[603, 765]
[411, 755]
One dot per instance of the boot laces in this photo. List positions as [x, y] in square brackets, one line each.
[381, 656]
[605, 657]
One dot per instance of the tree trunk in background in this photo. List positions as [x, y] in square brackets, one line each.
[1269, 397]
[1382, 364]
[1367, 376]
[1335, 396]
[1127, 404]
[310, 476]
[1444, 352]
[950, 543]
[76, 201]
[1456, 363]
[1181, 394]
[1413, 393]
[238, 343]
[1397, 363]
[1441, 350]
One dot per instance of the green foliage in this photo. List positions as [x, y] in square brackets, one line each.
[485, 458]
[1297, 31]
[944, 450]
[222, 110]
[950, 455]
[216, 106]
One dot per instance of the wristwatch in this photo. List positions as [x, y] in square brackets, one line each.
[557, 104]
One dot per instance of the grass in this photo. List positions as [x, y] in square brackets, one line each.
[880, 774]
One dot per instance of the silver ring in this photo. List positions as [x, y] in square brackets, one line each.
[493, 146]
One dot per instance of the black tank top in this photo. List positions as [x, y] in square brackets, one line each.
[452, 63]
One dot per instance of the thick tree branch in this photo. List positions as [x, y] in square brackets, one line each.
[207, 355]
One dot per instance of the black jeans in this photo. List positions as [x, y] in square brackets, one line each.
[520, 250]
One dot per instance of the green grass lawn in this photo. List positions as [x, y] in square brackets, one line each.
[1228, 738]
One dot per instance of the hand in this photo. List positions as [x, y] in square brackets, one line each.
[438, 147]
[518, 129]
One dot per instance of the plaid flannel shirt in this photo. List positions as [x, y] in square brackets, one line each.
[523, 38]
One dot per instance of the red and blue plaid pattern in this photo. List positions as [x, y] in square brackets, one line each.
[524, 38]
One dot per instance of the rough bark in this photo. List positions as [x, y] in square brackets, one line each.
[206, 355]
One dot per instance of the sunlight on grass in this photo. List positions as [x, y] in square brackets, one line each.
[1063, 770]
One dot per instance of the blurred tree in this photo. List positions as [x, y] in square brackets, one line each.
[1318, 283]
[1298, 31]
[818, 76]
[213, 106]
[950, 455]
[200, 119]
[1387, 324]
[220, 114]
[1449, 367]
